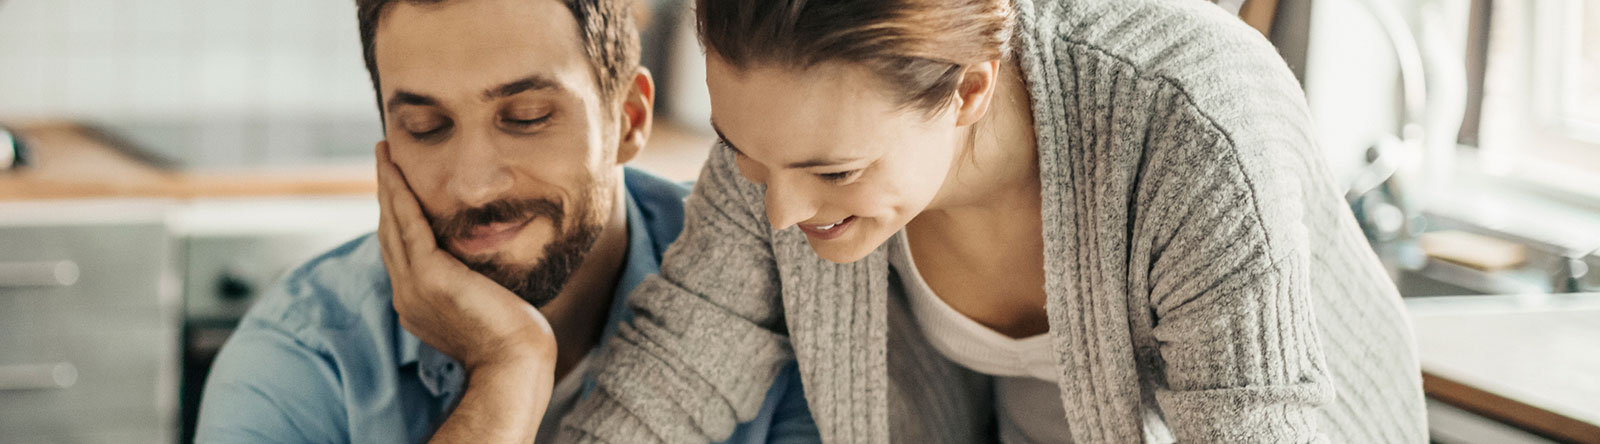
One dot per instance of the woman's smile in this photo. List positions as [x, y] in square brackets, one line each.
[827, 231]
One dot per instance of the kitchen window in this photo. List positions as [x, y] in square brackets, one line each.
[1582, 108]
[1541, 94]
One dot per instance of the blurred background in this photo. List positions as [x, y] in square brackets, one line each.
[163, 161]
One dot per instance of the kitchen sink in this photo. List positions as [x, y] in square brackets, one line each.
[1413, 283]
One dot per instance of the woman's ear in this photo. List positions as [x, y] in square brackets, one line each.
[638, 103]
[975, 91]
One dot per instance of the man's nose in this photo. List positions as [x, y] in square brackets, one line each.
[478, 172]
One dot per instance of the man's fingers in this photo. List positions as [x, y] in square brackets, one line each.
[389, 260]
[404, 231]
[395, 256]
[410, 221]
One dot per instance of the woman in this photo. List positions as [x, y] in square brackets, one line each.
[1111, 209]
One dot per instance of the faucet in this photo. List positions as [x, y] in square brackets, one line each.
[1431, 104]
[1575, 268]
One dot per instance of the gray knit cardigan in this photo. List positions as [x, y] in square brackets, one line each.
[1205, 280]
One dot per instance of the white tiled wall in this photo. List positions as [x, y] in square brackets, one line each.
[180, 58]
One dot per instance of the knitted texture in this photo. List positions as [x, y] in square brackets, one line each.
[1206, 282]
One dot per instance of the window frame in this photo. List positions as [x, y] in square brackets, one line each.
[1526, 130]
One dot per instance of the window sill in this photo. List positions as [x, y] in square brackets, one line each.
[1556, 208]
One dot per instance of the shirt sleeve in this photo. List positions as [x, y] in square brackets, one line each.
[784, 417]
[791, 419]
[268, 387]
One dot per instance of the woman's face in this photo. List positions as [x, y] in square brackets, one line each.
[839, 157]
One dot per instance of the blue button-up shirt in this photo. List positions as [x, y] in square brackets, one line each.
[322, 357]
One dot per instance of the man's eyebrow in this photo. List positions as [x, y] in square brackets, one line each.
[533, 82]
[813, 163]
[403, 97]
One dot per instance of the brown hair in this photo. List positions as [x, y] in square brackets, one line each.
[917, 47]
[605, 27]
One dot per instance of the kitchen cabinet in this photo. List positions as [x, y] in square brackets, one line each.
[88, 323]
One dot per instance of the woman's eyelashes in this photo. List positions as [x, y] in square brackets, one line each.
[835, 178]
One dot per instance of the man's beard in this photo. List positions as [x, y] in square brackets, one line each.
[538, 283]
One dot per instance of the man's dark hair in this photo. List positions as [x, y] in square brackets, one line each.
[605, 28]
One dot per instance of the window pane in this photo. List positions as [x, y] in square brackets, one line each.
[1586, 105]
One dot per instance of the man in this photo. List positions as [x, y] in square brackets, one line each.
[510, 236]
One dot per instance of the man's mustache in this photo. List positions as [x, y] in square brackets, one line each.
[462, 223]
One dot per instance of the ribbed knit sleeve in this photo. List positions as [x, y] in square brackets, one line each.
[707, 337]
[1204, 275]
[1197, 219]
[1229, 286]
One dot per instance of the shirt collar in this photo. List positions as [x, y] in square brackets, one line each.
[444, 377]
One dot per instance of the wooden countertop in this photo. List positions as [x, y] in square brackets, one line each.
[1529, 361]
[69, 163]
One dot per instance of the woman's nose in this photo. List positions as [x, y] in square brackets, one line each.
[787, 205]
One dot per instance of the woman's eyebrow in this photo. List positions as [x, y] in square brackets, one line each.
[813, 163]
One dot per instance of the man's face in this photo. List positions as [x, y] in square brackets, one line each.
[495, 118]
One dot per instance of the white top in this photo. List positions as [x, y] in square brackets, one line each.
[8, 149]
[1028, 403]
[563, 397]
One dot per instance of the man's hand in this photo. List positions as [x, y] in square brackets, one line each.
[506, 345]
[452, 308]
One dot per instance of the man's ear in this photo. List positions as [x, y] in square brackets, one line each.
[976, 91]
[638, 103]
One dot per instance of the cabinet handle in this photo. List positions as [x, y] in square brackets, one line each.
[50, 376]
[61, 273]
